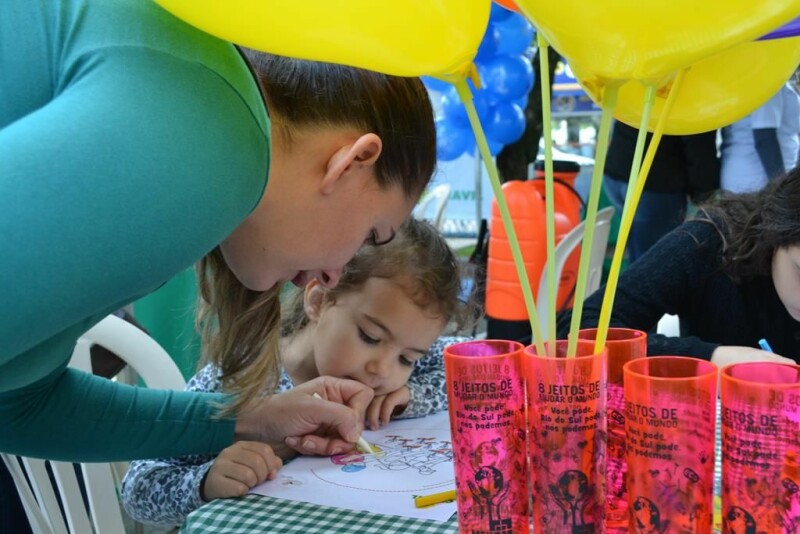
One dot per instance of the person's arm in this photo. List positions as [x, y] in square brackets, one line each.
[728, 354]
[663, 280]
[769, 151]
[703, 165]
[765, 122]
[127, 145]
[74, 416]
[166, 490]
[427, 382]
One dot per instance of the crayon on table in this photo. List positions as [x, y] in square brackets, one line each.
[435, 498]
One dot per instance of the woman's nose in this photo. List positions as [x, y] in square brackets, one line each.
[329, 278]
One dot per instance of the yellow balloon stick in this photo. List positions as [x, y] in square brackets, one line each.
[550, 218]
[608, 104]
[466, 98]
[631, 201]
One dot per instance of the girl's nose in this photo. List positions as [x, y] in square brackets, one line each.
[379, 366]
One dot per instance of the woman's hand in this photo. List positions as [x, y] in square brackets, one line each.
[382, 407]
[238, 468]
[309, 425]
[728, 354]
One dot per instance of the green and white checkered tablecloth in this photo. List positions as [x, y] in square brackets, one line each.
[256, 513]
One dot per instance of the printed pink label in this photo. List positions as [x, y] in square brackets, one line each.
[487, 419]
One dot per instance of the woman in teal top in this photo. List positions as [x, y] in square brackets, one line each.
[133, 145]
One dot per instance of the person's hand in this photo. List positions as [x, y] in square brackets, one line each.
[382, 407]
[309, 425]
[238, 468]
[728, 354]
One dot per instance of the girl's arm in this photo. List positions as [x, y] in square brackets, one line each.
[427, 382]
[668, 278]
[164, 491]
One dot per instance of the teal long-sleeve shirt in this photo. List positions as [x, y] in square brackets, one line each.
[131, 144]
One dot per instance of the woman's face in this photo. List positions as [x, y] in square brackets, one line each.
[322, 202]
[786, 277]
[373, 335]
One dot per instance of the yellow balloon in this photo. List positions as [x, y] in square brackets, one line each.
[715, 92]
[404, 38]
[648, 39]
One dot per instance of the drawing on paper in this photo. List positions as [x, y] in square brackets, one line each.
[414, 457]
[424, 460]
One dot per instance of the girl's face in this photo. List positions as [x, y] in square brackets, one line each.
[373, 335]
[786, 277]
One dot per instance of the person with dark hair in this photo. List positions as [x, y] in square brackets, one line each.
[273, 169]
[378, 326]
[685, 168]
[732, 275]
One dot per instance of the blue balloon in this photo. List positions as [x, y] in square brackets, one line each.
[469, 147]
[495, 147]
[451, 141]
[435, 84]
[507, 124]
[507, 78]
[455, 112]
[516, 35]
[522, 102]
[499, 13]
[489, 44]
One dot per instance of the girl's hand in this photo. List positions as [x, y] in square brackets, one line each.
[238, 468]
[382, 408]
[728, 354]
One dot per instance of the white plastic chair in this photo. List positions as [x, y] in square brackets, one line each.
[435, 198]
[151, 362]
[564, 249]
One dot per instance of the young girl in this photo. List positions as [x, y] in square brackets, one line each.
[732, 275]
[281, 167]
[378, 326]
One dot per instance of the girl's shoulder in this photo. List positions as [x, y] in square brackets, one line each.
[206, 379]
[209, 379]
[703, 234]
[445, 341]
[285, 382]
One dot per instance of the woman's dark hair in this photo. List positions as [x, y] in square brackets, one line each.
[755, 225]
[311, 94]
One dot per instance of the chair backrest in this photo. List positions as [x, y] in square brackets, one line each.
[434, 200]
[602, 230]
[34, 484]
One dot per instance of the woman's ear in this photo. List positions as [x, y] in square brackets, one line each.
[313, 298]
[359, 155]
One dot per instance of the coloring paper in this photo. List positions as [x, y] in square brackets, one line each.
[413, 457]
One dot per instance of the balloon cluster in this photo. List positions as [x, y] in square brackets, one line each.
[506, 76]
[609, 47]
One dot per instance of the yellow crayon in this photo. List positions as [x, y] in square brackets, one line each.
[435, 498]
[364, 445]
